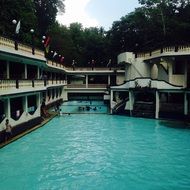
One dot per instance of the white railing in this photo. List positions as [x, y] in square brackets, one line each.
[6, 42]
[93, 86]
[24, 83]
[21, 47]
[7, 84]
[159, 52]
[18, 84]
[38, 83]
[55, 82]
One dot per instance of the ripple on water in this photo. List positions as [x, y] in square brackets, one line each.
[98, 152]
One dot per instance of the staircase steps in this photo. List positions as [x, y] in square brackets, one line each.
[144, 109]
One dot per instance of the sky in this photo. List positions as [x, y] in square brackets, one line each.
[96, 13]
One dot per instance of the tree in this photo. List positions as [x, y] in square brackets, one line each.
[46, 11]
[20, 10]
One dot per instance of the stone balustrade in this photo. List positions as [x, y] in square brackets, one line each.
[18, 84]
[21, 47]
[166, 50]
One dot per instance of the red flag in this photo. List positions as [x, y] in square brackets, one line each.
[62, 58]
[47, 42]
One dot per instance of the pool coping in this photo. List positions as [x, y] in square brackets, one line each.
[46, 120]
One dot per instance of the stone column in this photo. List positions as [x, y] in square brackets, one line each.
[111, 99]
[25, 71]
[131, 101]
[86, 81]
[8, 108]
[108, 80]
[25, 104]
[185, 104]
[157, 105]
[38, 72]
[8, 70]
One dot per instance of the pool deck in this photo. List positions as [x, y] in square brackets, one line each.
[46, 120]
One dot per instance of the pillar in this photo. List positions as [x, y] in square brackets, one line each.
[131, 101]
[25, 104]
[64, 95]
[38, 72]
[157, 105]
[8, 70]
[86, 81]
[25, 71]
[111, 99]
[108, 80]
[8, 108]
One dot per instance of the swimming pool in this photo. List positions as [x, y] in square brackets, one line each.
[90, 107]
[98, 152]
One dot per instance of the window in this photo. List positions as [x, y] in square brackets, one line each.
[178, 67]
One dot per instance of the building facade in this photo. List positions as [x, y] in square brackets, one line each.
[156, 84]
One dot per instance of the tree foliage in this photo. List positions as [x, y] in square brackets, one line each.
[154, 24]
[46, 11]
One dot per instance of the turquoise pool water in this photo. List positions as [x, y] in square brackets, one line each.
[94, 107]
[98, 152]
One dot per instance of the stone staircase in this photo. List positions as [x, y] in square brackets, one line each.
[144, 109]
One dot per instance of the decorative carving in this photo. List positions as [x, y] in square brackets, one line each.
[138, 86]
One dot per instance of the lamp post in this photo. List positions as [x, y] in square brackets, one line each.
[109, 64]
[73, 64]
[33, 48]
[93, 64]
[15, 35]
[43, 42]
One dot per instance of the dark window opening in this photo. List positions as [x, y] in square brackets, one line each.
[178, 67]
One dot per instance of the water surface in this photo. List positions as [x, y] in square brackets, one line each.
[98, 152]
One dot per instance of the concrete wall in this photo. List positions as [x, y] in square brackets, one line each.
[77, 81]
[24, 117]
[126, 57]
[138, 69]
[175, 79]
[120, 78]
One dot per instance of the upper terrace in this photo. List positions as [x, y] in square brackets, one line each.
[169, 51]
[166, 52]
[7, 48]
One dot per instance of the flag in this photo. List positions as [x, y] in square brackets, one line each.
[55, 53]
[17, 27]
[62, 58]
[109, 63]
[47, 49]
[47, 44]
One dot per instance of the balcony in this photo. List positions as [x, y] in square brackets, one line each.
[22, 86]
[8, 46]
[87, 86]
[53, 83]
[166, 51]
[84, 70]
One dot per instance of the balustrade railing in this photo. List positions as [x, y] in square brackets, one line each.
[5, 42]
[5, 84]
[170, 49]
[21, 47]
[87, 86]
[19, 84]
